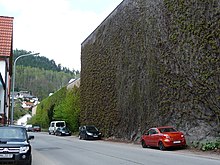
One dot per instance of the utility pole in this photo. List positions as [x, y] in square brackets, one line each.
[13, 83]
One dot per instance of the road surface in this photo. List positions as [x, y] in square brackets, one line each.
[54, 150]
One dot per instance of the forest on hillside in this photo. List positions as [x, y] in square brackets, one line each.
[40, 76]
[40, 62]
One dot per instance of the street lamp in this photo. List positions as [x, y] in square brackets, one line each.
[13, 83]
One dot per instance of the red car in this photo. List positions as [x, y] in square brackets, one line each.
[163, 137]
[36, 128]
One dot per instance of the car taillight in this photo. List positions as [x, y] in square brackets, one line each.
[166, 136]
[182, 136]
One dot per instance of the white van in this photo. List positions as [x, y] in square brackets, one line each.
[54, 125]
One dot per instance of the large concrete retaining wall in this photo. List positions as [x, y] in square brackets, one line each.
[153, 63]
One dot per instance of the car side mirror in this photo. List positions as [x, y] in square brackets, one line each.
[30, 137]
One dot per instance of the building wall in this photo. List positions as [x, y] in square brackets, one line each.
[34, 110]
[152, 63]
[6, 38]
[2, 90]
[74, 83]
[4, 93]
[2, 100]
[24, 119]
[2, 68]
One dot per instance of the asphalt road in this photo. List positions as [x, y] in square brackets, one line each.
[53, 150]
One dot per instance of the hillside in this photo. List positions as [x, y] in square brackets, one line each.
[40, 62]
[39, 75]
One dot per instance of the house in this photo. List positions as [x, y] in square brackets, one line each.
[27, 100]
[6, 53]
[72, 83]
[24, 119]
[34, 110]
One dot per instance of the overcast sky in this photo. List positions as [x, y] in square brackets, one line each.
[55, 28]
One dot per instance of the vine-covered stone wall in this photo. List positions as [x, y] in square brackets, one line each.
[153, 63]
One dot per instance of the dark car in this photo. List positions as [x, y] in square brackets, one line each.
[163, 137]
[15, 147]
[29, 128]
[36, 128]
[63, 131]
[89, 132]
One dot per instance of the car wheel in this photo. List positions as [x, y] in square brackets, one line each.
[143, 144]
[161, 146]
[29, 162]
[184, 146]
[49, 133]
[85, 137]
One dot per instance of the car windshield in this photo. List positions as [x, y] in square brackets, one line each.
[168, 129]
[91, 129]
[12, 133]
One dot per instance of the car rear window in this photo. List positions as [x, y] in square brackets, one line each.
[162, 130]
[92, 129]
[60, 124]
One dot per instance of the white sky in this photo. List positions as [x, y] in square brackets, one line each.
[56, 28]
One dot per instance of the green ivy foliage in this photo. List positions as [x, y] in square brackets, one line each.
[62, 105]
[211, 145]
[153, 63]
[72, 109]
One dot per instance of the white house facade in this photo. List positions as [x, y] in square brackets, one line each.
[6, 53]
[2, 87]
[24, 119]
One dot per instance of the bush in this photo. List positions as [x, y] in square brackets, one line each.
[212, 145]
[62, 105]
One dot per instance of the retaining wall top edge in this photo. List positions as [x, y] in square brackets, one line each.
[109, 16]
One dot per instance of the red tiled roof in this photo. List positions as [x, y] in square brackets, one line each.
[6, 35]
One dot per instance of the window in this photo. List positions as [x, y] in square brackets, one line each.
[167, 130]
[60, 124]
[152, 132]
[12, 133]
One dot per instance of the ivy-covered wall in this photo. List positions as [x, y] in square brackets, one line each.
[153, 63]
[62, 105]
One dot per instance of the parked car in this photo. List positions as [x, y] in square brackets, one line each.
[63, 131]
[15, 147]
[163, 137]
[36, 128]
[54, 125]
[89, 132]
[29, 127]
